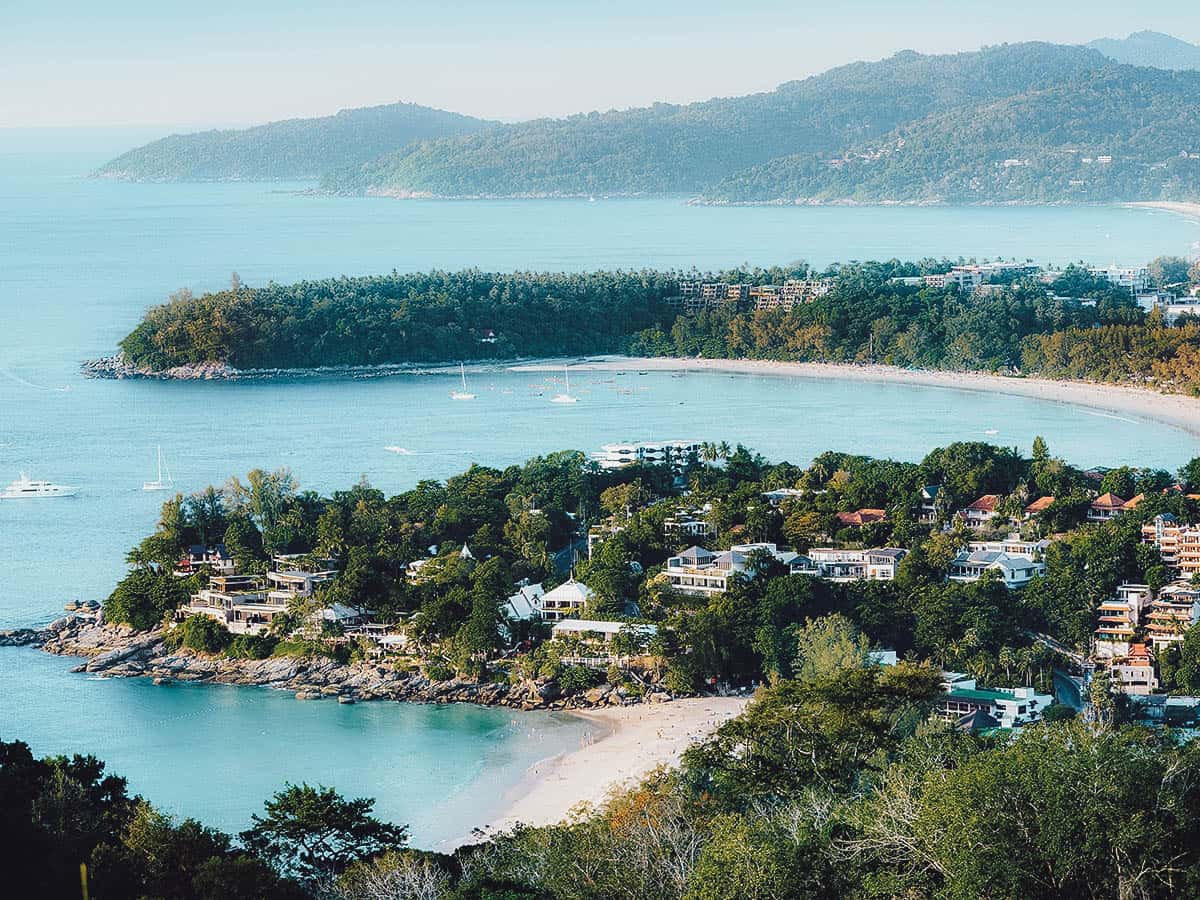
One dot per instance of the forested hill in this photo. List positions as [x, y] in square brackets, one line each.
[1078, 326]
[690, 149]
[1150, 48]
[1115, 134]
[290, 149]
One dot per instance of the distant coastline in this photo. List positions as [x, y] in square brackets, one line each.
[1191, 209]
[1177, 410]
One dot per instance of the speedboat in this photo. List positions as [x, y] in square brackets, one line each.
[26, 488]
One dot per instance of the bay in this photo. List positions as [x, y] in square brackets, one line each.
[80, 260]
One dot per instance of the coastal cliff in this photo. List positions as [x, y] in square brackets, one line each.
[120, 652]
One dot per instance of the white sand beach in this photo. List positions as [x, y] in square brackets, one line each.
[1173, 409]
[631, 742]
[1191, 210]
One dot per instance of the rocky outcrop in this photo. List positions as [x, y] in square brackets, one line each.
[119, 366]
[120, 652]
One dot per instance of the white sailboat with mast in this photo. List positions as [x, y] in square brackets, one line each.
[566, 397]
[160, 484]
[464, 394]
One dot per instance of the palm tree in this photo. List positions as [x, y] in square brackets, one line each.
[724, 450]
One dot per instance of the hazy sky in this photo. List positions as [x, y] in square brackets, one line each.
[220, 62]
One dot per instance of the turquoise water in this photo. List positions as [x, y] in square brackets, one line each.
[217, 752]
[79, 262]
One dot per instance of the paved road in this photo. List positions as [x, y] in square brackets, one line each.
[1067, 690]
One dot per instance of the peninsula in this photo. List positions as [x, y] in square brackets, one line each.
[1134, 325]
[937, 635]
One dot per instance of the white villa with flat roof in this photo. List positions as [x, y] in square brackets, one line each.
[833, 564]
[650, 453]
[1013, 545]
[594, 639]
[1011, 707]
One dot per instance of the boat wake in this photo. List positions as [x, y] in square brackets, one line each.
[402, 451]
[17, 379]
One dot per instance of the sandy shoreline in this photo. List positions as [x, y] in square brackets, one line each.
[1191, 210]
[1172, 409]
[630, 742]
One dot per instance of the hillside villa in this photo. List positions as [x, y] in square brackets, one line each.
[1118, 618]
[1010, 707]
[592, 640]
[1012, 570]
[1179, 544]
[981, 512]
[1105, 507]
[699, 572]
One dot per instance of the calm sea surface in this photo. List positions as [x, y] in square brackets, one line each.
[80, 261]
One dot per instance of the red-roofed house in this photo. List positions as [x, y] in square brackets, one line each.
[1105, 507]
[862, 517]
[981, 511]
[1134, 673]
[1040, 505]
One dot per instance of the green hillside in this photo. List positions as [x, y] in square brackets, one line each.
[667, 149]
[1120, 133]
[291, 149]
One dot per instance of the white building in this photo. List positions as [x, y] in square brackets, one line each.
[1013, 571]
[690, 523]
[1136, 279]
[1011, 707]
[1117, 619]
[564, 601]
[833, 564]
[525, 604]
[701, 573]
[1013, 545]
[593, 640]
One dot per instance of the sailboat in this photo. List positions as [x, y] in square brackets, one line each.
[565, 397]
[159, 484]
[464, 394]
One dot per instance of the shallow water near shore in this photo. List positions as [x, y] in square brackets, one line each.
[79, 262]
[216, 752]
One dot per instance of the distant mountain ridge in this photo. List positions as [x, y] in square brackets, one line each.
[1027, 122]
[666, 149]
[288, 149]
[1150, 48]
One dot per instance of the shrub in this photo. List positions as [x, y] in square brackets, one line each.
[252, 646]
[436, 671]
[144, 597]
[202, 633]
[576, 679]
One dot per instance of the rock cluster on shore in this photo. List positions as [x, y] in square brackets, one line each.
[121, 652]
[119, 366]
